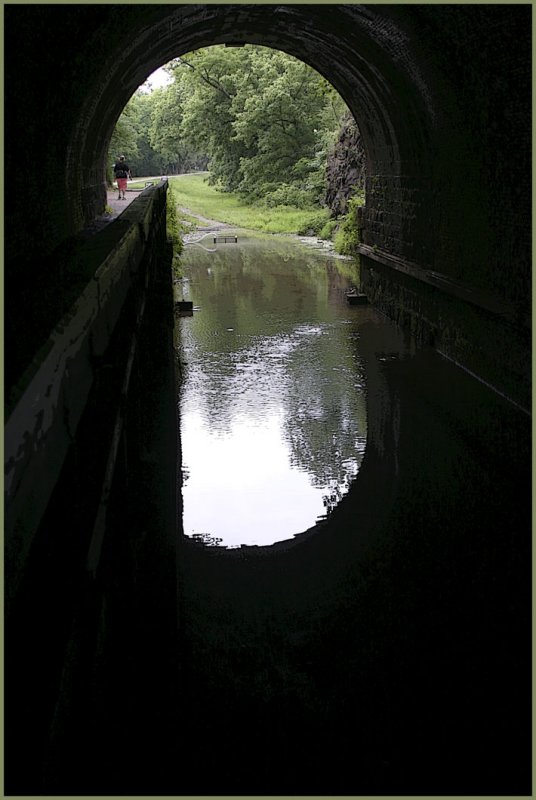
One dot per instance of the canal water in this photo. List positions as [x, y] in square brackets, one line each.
[272, 396]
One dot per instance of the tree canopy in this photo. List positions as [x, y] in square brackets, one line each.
[262, 121]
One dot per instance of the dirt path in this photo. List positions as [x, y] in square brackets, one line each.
[204, 228]
[119, 206]
[208, 224]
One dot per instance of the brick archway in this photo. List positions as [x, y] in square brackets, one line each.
[440, 94]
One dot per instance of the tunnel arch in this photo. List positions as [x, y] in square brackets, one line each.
[445, 91]
[440, 93]
[392, 114]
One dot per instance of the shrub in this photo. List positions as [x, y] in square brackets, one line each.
[329, 228]
[314, 224]
[347, 237]
[174, 231]
[288, 195]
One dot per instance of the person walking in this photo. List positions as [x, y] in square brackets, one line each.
[122, 172]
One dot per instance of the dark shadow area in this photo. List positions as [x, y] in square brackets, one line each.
[386, 653]
[390, 651]
[53, 291]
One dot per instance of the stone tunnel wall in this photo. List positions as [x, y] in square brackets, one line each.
[441, 94]
[84, 354]
[90, 525]
[469, 216]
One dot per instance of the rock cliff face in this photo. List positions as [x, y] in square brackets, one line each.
[345, 168]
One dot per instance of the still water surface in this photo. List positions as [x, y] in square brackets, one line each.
[272, 404]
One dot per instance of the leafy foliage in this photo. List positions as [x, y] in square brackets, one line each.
[166, 120]
[288, 194]
[124, 138]
[314, 224]
[328, 229]
[174, 230]
[265, 118]
[147, 133]
[347, 236]
[263, 121]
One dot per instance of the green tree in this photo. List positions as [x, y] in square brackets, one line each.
[279, 123]
[124, 138]
[148, 160]
[265, 119]
[131, 137]
[208, 81]
[265, 123]
[165, 132]
[148, 133]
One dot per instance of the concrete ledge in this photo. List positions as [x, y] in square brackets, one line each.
[462, 291]
[43, 424]
[477, 331]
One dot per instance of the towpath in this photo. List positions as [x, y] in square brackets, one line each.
[117, 207]
[204, 227]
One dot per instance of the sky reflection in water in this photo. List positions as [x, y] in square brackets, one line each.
[273, 422]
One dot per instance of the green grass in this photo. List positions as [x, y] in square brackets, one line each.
[188, 221]
[194, 193]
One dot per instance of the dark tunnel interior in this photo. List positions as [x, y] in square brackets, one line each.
[387, 651]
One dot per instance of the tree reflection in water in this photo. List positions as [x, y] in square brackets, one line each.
[274, 387]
